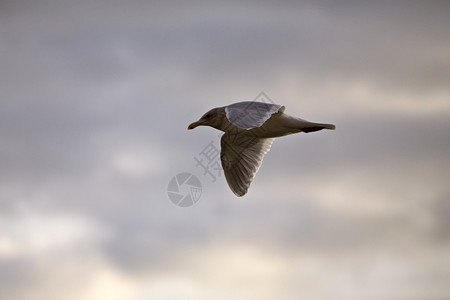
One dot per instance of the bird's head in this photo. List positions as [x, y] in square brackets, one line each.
[212, 118]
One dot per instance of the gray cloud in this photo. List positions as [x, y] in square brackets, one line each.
[96, 100]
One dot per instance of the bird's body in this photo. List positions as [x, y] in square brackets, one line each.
[250, 128]
[281, 124]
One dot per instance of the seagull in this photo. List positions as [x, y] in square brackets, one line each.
[250, 128]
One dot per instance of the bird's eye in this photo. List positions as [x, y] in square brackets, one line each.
[207, 116]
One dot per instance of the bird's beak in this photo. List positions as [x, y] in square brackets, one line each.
[193, 125]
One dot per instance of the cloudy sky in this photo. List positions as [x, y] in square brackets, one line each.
[95, 100]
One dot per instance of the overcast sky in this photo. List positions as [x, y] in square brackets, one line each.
[95, 100]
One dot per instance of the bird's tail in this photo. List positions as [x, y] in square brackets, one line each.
[311, 127]
[293, 124]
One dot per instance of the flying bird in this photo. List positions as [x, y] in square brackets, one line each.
[250, 128]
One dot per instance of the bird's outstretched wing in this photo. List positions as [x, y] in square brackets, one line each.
[251, 114]
[241, 157]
